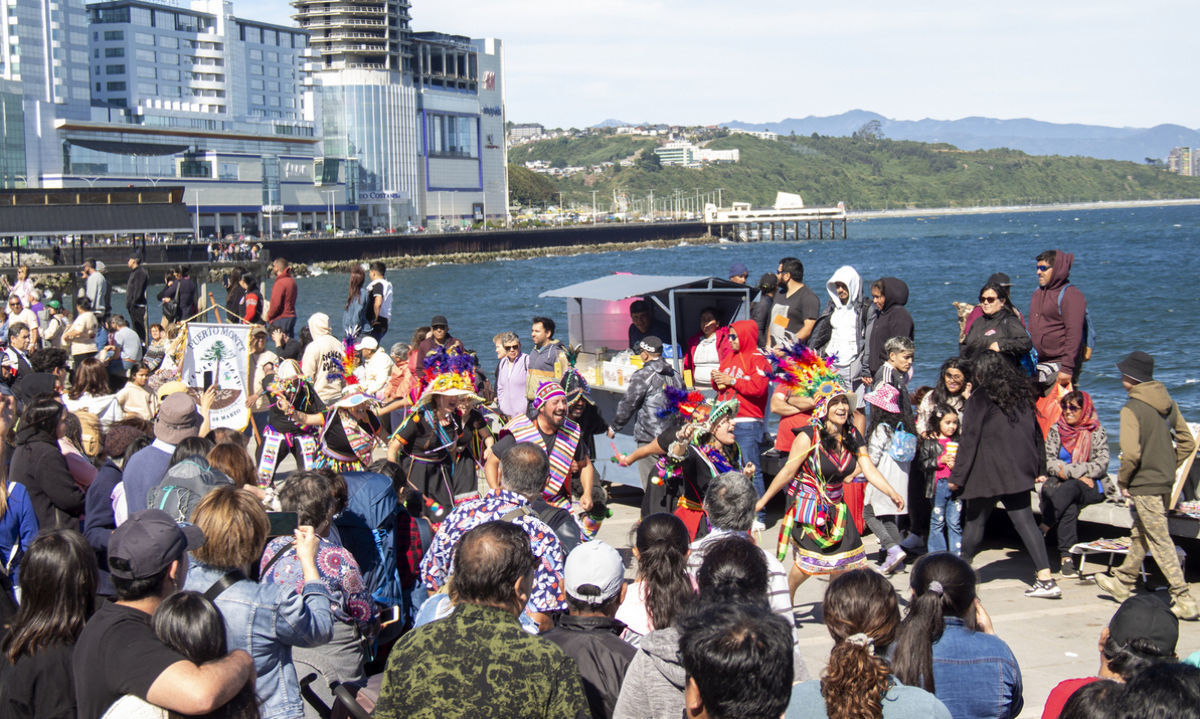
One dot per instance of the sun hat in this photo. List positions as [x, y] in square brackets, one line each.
[146, 544]
[1137, 366]
[593, 572]
[367, 343]
[885, 397]
[177, 419]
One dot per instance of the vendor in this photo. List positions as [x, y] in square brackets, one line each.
[643, 325]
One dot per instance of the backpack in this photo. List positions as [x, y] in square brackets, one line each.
[1089, 330]
[182, 488]
[89, 423]
[375, 529]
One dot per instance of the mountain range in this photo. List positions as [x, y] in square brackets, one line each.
[983, 133]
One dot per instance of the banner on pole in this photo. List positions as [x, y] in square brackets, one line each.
[217, 355]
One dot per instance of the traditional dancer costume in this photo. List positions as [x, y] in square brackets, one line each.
[591, 423]
[689, 467]
[435, 446]
[818, 522]
[347, 441]
[563, 450]
[283, 430]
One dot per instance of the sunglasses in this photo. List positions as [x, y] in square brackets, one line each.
[512, 347]
[989, 300]
[1072, 408]
[1044, 268]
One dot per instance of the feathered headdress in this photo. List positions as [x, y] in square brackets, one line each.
[804, 372]
[702, 414]
[573, 382]
[349, 360]
[449, 373]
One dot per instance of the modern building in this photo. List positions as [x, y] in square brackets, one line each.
[194, 57]
[361, 74]
[525, 131]
[685, 154]
[1182, 160]
[460, 101]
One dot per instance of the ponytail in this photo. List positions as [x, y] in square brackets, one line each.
[943, 585]
[862, 614]
[662, 544]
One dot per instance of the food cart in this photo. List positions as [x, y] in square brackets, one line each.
[598, 322]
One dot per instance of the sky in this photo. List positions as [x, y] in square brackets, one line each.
[575, 63]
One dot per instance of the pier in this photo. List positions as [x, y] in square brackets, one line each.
[779, 222]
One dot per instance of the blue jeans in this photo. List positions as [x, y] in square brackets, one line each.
[946, 518]
[748, 433]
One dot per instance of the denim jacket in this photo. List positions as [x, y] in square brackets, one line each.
[975, 674]
[267, 620]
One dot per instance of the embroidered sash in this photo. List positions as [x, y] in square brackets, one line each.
[524, 429]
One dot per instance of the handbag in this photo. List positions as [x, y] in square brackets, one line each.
[904, 444]
[170, 310]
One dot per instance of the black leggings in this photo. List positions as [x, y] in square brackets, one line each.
[1020, 512]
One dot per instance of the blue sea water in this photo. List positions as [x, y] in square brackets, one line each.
[1137, 266]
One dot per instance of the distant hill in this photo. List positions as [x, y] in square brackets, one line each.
[982, 133]
[865, 174]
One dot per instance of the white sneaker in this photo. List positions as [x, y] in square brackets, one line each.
[1044, 590]
[758, 527]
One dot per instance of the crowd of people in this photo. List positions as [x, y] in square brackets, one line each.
[395, 532]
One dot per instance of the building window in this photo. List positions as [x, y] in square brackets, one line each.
[256, 84]
[114, 52]
[146, 71]
[115, 86]
[114, 69]
[144, 55]
[452, 135]
[114, 34]
[144, 38]
[168, 41]
[255, 54]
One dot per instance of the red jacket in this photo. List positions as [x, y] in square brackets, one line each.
[283, 297]
[724, 348]
[750, 370]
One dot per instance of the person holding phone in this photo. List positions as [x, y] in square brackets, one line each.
[265, 619]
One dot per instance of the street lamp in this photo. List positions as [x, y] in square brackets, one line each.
[329, 212]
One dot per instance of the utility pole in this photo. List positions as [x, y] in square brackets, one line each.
[593, 207]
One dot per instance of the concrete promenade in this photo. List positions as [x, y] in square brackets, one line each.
[1052, 639]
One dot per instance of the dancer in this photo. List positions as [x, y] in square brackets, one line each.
[825, 454]
[351, 433]
[296, 412]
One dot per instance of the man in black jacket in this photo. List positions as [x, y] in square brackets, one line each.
[135, 297]
[594, 577]
[644, 397]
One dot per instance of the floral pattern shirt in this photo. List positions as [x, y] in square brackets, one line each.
[548, 595]
[339, 572]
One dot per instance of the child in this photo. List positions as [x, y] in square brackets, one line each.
[937, 457]
[900, 352]
[879, 511]
[134, 399]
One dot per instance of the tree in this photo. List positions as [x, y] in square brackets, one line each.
[528, 188]
[870, 131]
[217, 351]
[649, 160]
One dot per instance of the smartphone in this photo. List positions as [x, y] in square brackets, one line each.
[282, 524]
[388, 616]
[208, 379]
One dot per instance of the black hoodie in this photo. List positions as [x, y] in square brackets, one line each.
[892, 321]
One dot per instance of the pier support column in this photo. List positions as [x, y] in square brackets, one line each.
[808, 229]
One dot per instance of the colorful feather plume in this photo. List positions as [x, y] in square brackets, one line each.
[349, 360]
[802, 370]
[680, 401]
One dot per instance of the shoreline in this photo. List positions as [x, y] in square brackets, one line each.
[1000, 209]
[474, 258]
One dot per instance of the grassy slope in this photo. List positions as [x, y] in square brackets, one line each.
[864, 174]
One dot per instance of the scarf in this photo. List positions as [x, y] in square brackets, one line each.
[1077, 438]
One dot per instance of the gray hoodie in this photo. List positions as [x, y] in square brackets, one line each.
[654, 682]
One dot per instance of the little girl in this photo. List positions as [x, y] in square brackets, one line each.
[879, 512]
[937, 456]
[134, 398]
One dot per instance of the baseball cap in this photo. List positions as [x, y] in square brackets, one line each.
[147, 543]
[650, 344]
[367, 343]
[738, 269]
[593, 572]
[439, 321]
[1147, 617]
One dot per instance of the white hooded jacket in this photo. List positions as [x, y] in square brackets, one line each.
[322, 361]
[845, 340]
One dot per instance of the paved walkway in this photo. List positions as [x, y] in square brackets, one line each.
[1052, 639]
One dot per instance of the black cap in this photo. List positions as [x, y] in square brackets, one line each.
[148, 542]
[1137, 366]
[1001, 279]
[1147, 617]
[439, 321]
[650, 344]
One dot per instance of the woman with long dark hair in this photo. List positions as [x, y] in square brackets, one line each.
[58, 594]
[662, 588]
[946, 644]
[38, 464]
[90, 391]
[250, 304]
[953, 388]
[862, 615]
[1001, 454]
[355, 299]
